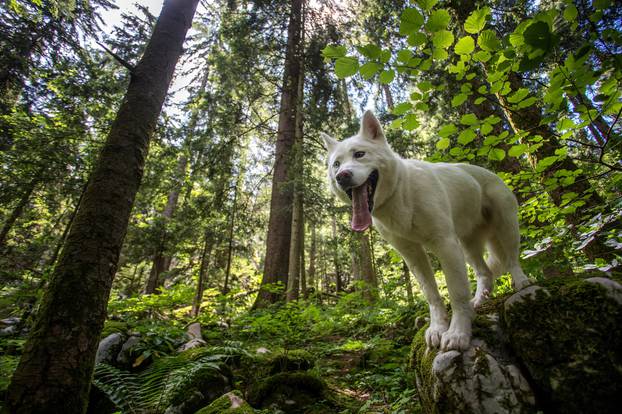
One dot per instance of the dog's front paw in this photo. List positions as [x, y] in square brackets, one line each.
[456, 340]
[434, 334]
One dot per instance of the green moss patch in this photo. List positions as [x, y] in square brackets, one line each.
[111, 327]
[230, 403]
[568, 336]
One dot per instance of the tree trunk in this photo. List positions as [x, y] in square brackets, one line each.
[408, 284]
[368, 275]
[225, 288]
[335, 248]
[17, 211]
[280, 222]
[303, 273]
[206, 255]
[312, 259]
[293, 283]
[55, 371]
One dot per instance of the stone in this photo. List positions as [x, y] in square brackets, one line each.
[124, 358]
[109, 348]
[230, 403]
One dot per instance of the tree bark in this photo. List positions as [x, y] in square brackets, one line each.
[312, 259]
[17, 211]
[408, 284]
[335, 248]
[206, 255]
[303, 273]
[225, 288]
[280, 222]
[54, 373]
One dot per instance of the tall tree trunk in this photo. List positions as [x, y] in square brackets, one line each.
[234, 206]
[17, 211]
[335, 248]
[55, 370]
[366, 267]
[206, 255]
[408, 284]
[311, 283]
[303, 273]
[280, 222]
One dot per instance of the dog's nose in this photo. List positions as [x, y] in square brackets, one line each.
[344, 178]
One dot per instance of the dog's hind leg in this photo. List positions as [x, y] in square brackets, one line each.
[474, 250]
[419, 264]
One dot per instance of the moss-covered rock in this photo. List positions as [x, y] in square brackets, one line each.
[480, 380]
[292, 360]
[111, 327]
[230, 403]
[291, 392]
[567, 333]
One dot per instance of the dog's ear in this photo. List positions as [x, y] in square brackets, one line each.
[329, 141]
[370, 127]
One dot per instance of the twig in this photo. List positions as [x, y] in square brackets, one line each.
[119, 59]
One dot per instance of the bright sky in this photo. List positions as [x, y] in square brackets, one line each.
[113, 17]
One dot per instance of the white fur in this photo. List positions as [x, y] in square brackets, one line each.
[453, 210]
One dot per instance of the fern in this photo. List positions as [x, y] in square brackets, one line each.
[154, 389]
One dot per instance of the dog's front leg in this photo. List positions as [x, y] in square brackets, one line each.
[419, 264]
[449, 252]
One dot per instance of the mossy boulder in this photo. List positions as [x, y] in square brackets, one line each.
[230, 403]
[567, 334]
[484, 379]
[292, 360]
[111, 327]
[290, 392]
[554, 347]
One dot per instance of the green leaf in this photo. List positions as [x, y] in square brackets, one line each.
[369, 69]
[385, 56]
[410, 122]
[410, 21]
[488, 41]
[387, 76]
[346, 66]
[466, 136]
[468, 119]
[485, 129]
[440, 54]
[424, 86]
[447, 130]
[527, 102]
[482, 56]
[427, 4]
[458, 99]
[416, 39]
[518, 96]
[538, 36]
[601, 4]
[438, 20]
[476, 21]
[442, 143]
[517, 150]
[571, 13]
[442, 38]
[404, 55]
[371, 51]
[333, 52]
[465, 45]
[479, 100]
[496, 154]
[402, 108]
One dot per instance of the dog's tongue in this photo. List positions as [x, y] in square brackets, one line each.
[361, 217]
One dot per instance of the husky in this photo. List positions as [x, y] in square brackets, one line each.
[452, 210]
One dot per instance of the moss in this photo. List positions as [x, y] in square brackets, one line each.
[223, 405]
[198, 386]
[420, 362]
[569, 339]
[292, 360]
[111, 327]
[289, 391]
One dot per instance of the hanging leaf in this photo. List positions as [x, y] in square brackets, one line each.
[482, 56]
[439, 19]
[427, 4]
[410, 122]
[333, 52]
[443, 39]
[458, 99]
[517, 150]
[402, 108]
[442, 143]
[465, 46]
[447, 130]
[538, 36]
[404, 55]
[466, 136]
[468, 119]
[416, 39]
[485, 129]
[488, 41]
[518, 96]
[496, 154]
[371, 51]
[346, 66]
[387, 76]
[476, 21]
[410, 21]
[571, 13]
[369, 69]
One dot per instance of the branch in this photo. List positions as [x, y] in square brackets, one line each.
[119, 59]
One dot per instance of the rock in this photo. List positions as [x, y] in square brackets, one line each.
[570, 342]
[11, 320]
[125, 357]
[289, 392]
[111, 326]
[292, 360]
[9, 331]
[231, 402]
[197, 388]
[562, 334]
[482, 380]
[194, 336]
[109, 348]
[262, 350]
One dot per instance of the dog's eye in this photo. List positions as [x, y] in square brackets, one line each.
[359, 154]
[336, 164]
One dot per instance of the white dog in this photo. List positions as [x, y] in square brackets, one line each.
[454, 210]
